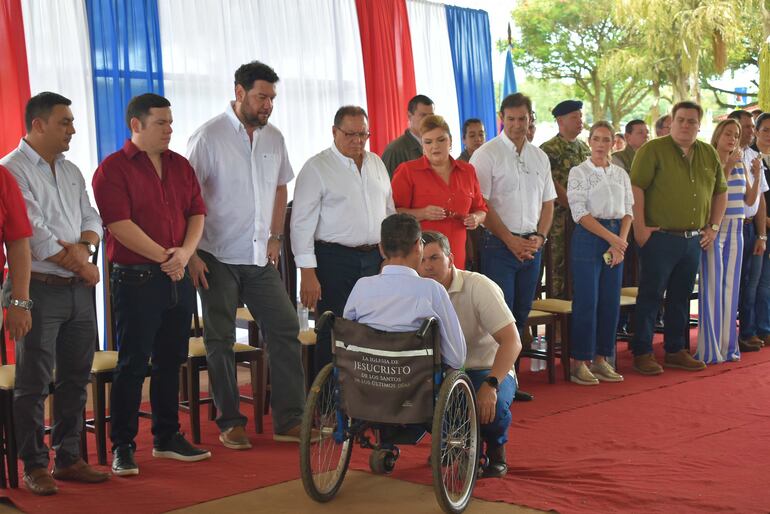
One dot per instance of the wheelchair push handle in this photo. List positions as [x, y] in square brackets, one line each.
[327, 318]
[427, 323]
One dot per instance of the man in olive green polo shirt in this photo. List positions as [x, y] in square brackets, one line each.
[680, 195]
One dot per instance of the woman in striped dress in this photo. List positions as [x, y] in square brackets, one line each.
[720, 269]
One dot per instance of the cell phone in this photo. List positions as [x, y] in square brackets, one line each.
[607, 258]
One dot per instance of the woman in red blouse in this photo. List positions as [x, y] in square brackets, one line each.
[442, 193]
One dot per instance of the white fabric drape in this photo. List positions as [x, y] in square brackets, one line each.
[313, 45]
[433, 68]
[59, 60]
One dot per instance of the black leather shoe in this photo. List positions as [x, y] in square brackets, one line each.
[523, 396]
[745, 346]
[123, 463]
[496, 466]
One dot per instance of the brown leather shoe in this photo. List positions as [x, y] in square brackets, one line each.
[235, 438]
[745, 346]
[39, 481]
[647, 365]
[683, 360]
[81, 471]
[758, 340]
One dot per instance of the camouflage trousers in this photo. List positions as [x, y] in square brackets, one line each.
[561, 231]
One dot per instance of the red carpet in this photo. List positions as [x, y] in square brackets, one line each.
[164, 485]
[679, 442]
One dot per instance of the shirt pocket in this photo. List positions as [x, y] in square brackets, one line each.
[268, 165]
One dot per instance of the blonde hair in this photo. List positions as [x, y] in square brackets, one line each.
[433, 122]
[601, 124]
[721, 128]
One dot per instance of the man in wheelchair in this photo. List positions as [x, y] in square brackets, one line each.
[493, 343]
[398, 299]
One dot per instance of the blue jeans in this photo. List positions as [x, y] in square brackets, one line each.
[152, 319]
[595, 294]
[762, 306]
[496, 433]
[518, 279]
[669, 265]
[751, 270]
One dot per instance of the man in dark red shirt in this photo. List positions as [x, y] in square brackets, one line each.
[15, 232]
[151, 204]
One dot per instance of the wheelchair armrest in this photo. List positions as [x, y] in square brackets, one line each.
[426, 326]
[327, 318]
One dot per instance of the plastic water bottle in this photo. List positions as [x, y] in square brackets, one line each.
[534, 364]
[302, 315]
[543, 346]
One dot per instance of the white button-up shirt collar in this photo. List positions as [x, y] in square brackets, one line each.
[604, 193]
[749, 154]
[238, 181]
[398, 300]
[515, 184]
[336, 203]
[58, 206]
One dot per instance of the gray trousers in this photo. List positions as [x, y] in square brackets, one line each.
[261, 289]
[63, 337]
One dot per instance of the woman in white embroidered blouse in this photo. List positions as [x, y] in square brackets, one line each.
[600, 198]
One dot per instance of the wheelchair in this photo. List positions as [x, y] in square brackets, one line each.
[341, 411]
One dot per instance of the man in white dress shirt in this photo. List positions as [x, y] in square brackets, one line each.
[515, 179]
[243, 168]
[398, 299]
[341, 197]
[66, 230]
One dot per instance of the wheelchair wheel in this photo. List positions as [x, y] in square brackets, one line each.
[382, 461]
[455, 443]
[325, 446]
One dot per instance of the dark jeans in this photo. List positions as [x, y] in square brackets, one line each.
[496, 433]
[263, 292]
[518, 279]
[751, 271]
[63, 336]
[152, 320]
[339, 268]
[669, 265]
[595, 294]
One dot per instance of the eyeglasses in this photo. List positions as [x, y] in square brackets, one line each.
[352, 135]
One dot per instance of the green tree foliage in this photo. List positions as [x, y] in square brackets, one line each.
[572, 40]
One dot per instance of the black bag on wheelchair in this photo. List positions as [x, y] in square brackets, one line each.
[385, 377]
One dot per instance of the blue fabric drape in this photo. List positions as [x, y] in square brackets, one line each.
[471, 46]
[126, 61]
[509, 86]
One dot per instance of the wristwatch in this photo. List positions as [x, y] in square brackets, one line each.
[762, 237]
[89, 245]
[714, 227]
[492, 381]
[542, 236]
[277, 237]
[21, 304]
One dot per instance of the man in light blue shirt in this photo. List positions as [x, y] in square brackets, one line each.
[398, 299]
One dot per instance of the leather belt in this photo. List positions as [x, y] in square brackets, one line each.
[137, 267]
[54, 280]
[361, 248]
[524, 236]
[687, 234]
[748, 221]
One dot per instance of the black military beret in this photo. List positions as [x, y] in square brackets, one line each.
[566, 107]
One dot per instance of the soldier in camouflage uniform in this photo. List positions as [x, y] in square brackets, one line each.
[565, 151]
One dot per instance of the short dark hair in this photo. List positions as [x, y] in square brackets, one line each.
[250, 72]
[469, 122]
[418, 100]
[41, 105]
[398, 233]
[660, 121]
[348, 110]
[763, 117]
[687, 104]
[633, 123]
[432, 236]
[516, 100]
[738, 114]
[139, 107]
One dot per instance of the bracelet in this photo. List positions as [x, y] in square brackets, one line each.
[762, 237]
[277, 237]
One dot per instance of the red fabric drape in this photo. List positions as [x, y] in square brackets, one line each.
[388, 67]
[14, 76]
